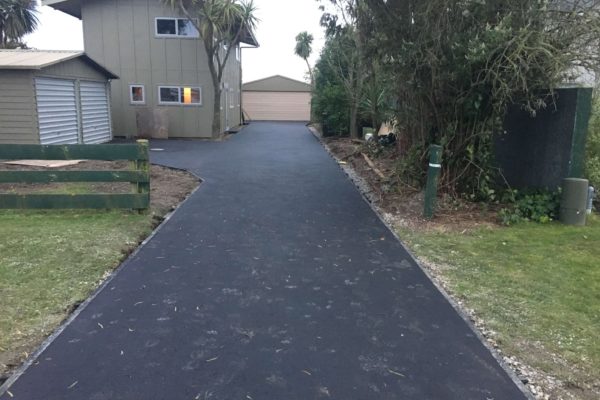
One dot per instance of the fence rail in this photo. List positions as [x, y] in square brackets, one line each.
[138, 176]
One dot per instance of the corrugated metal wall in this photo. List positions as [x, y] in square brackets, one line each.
[57, 111]
[95, 113]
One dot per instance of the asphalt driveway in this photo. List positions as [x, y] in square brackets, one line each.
[274, 281]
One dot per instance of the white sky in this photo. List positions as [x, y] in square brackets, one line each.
[280, 22]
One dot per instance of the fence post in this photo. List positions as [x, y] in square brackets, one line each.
[433, 172]
[143, 165]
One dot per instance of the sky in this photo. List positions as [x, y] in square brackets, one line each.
[280, 22]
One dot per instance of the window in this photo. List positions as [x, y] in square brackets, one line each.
[186, 95]
[137, 94]
[175, 27]
[166, 26]
[186, 28]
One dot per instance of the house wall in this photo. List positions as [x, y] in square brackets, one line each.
[72, 69]
[18, 122]
[120, 35]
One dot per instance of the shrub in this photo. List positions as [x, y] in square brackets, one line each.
[539, 206]
[593, 147]
[331, 110]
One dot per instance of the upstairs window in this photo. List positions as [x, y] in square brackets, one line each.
[175, 27]
[186, 95]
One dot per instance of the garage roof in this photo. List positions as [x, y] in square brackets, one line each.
[276, 83]
[39, 59]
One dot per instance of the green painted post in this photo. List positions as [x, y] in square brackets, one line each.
[580, 131]
[435, 165]
[143, 165]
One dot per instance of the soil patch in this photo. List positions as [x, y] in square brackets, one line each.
[402, 203]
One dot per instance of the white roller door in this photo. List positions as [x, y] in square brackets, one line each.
[277, 106]
[57, 111]
[95, 112]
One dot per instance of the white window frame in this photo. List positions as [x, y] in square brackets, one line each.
[131, 101]
[178, 102]
[176, 35]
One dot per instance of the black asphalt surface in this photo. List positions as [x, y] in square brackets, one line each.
[274, 281]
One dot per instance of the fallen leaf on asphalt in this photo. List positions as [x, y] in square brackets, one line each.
[396, 373]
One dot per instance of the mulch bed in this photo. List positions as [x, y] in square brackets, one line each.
[404, 204]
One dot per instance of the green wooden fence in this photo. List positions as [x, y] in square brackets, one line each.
[139, 176]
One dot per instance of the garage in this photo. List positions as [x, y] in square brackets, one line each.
[53, 97]
[276, 98]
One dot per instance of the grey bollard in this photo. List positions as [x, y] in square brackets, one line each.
[573, 202]
[591, 197]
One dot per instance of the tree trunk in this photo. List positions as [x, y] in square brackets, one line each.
[216, 123]
[354, 120]
[310, 72]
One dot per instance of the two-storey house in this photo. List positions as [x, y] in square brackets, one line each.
[161, 62]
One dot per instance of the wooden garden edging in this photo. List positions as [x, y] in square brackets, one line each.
[139, 177]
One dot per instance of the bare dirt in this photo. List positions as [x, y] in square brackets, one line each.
[401, 202]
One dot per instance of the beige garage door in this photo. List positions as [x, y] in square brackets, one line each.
[277, 106]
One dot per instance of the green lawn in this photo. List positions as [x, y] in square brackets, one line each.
[50, 261]
[536, 285]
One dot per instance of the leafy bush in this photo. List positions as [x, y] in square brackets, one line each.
[593, 147]
[538, 206]
[330, 101]
[457, 66]
[331, 109]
